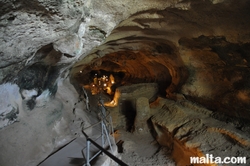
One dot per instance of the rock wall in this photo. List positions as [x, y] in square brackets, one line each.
[36, 133]
[41, 40]
[219, 74]
[197, 50]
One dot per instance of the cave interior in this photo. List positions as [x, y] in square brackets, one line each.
[174, 76]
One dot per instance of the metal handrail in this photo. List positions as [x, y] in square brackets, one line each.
[101, 148]
[104, 132]
[107, 153]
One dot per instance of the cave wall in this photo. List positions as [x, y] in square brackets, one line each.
[200, 49]
[39, 42]
[27, 26]
[219, 74]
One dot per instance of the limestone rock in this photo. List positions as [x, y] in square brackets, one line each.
[197, 49]
[124, 105]
[38, 133]
[9, 101]
[71, 45]
[142, 115]
[190, 130]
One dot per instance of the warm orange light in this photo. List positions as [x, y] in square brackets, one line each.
[112, 79]
[103, 83]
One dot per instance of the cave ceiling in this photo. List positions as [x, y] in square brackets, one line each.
[199, 49]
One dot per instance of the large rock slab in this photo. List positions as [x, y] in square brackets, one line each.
[190, 130]
[125, 107]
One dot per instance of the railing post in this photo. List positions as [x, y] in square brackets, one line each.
[87, 152]
[111, 125]
[107, 135]
[102, 134]
[106, 126]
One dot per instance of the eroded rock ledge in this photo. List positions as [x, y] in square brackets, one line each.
[191, 130]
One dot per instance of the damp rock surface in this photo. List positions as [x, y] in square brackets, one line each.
[196, 51]
[32, 135]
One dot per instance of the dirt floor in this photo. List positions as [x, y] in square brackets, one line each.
[141, 150]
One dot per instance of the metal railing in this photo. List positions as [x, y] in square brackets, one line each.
[104, 133]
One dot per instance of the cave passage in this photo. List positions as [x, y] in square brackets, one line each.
[126, 68]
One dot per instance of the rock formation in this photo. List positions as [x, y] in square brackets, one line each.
[197, 52]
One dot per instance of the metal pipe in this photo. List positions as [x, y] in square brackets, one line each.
[121, 163]
[108, 138]
[102, 135]
[95, 155]
[87, 152]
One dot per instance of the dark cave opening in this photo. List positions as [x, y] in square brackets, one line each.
[127, 108]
